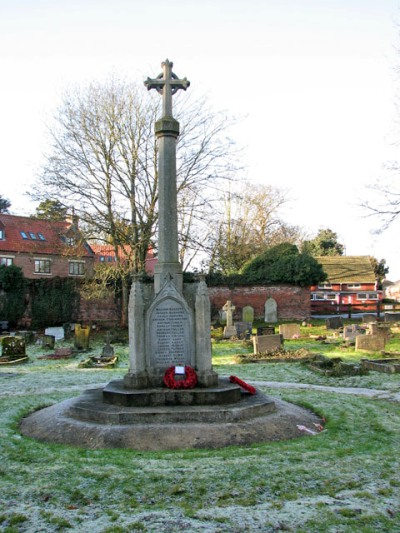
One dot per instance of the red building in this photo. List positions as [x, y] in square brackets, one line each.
[351, 282]
[43, 248]
[105, 253]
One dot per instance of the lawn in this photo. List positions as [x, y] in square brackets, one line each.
[345, 479]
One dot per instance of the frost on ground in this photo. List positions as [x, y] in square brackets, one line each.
[346, 478]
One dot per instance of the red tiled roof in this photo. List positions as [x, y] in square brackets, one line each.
[107, 250]
[42, 236]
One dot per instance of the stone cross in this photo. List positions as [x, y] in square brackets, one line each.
[229, 308]
[167, 84]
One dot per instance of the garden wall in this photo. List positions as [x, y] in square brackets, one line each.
[293, 302]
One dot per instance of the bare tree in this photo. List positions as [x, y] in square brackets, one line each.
[250, 224]
[103, 163]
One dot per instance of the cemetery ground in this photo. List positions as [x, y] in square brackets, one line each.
[345, 478]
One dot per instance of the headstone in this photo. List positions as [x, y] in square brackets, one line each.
[289, 331]
[108, 350]
[371, 343]
[367, 319]
[57, 332]
[267, 343]
[82, 336]
[12, 346]
[3, 325]
[351, 331]
[229, 330]
[244, 329]
[392, 317]
[265, 330]
[48, 341]
[271, 311]
[248, 314]
[222, 316]
[334, 322]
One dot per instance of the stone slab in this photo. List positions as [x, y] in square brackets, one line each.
[289, 331]
[267, 343]
[371, 343]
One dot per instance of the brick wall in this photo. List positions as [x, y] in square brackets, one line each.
[104, 312]
[293, 302]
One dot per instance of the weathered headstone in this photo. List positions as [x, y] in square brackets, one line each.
[371, 343]
[289, 331]
[57, 332]
[243, 329]
[248, 314]
[351, 331]
[229, 330]
[267, 343]
[367, 319]
[265, 330]
[13, 346]
[334, 322]
[82, 337]
[392, 317]
[108, 350]
[48, 341]
[271, 311]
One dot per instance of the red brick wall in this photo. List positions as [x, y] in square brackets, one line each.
[104, 312]
[293, 302]
[59, 265]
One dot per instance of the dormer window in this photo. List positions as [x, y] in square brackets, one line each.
[32, 236]
[24, 235]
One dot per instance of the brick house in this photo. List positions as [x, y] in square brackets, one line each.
[43, 248]
[351, 282]
[105, 253]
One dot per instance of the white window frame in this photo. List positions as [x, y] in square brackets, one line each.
[6, 260]
[368, 296]
[354, 285]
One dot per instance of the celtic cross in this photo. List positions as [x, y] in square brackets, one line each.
[167, 84]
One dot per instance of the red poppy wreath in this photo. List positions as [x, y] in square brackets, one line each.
[189, 382]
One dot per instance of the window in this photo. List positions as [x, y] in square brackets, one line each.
[41, 236]
[1, 235]
[42, 266]
[367, 296]
[24, 235]
[7, 261]
[102, 258]
[32, 236]
[354, 285]
[76, 268]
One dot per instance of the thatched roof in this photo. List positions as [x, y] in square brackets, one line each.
[348, 269]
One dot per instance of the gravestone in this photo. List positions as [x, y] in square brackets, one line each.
[108, 350]
[82, 337]
[351, 331]
[371, 343]
[244, 329]
[265, 330]
[48, 341]
[229, 329]
[267, 343]
[271, 311]
[392, 317]
[13, 347]
[367, 319]
[3, 325]
[222, 316]
[57, 332]
[248, 314]
[289, 331]
[334, 322]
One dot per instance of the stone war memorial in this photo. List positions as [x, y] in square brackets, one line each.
[171, 397]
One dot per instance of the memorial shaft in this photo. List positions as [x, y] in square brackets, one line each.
[167, 132]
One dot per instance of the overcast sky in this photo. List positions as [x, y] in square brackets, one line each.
[313, 81]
